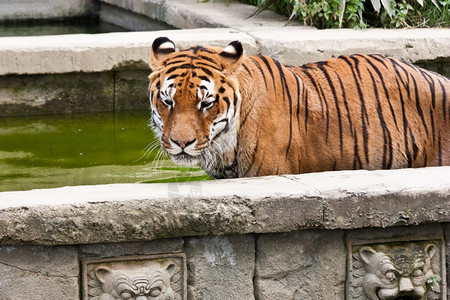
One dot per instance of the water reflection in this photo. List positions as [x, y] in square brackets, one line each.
[79, 149]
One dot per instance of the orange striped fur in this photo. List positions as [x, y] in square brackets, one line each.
[237, 115]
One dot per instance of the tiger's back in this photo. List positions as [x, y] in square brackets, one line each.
[352, 112]
[378, 113]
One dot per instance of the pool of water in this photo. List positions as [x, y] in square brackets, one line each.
[80, 149]
[35, 28]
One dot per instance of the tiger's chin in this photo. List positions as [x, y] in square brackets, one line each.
[185, 159]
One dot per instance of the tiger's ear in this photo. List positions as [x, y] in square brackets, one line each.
[232, 56]
[161, 47]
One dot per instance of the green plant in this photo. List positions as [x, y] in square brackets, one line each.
[360, 13]
[432, 281]
[329, 14]
[398, 15]
[412, 14]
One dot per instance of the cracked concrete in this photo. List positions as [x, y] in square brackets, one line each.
[32, 272]
[143, 212]
[303, 265]
[256, 238]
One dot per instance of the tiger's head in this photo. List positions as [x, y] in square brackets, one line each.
[195, 99]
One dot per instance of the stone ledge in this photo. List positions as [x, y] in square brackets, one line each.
[143, 212]
[265, 34]
[196, 14]
[294, 47]
[99, 52]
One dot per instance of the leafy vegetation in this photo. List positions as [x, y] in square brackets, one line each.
[361, 13]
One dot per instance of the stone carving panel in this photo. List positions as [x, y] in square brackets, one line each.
[155, 277]
[389, 271]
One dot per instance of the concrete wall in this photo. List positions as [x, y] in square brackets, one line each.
[72, 66]
[25, 10]
[76, 65]
[286, 237]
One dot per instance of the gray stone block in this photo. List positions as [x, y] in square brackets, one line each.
[38, 272]
[144, 212]
[131, 90]
[53, 93]
[129, 19]
[447, 263]
[44, 9]
[132, 248]
[150, 8]
[399, 234]
[161, 276]
[295, 45]
[220, 267]
[301, 265]
[397, 246]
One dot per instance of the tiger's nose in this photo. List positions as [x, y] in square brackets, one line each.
[183, 144]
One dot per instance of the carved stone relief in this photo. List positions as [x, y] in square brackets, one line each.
[389, 271]
[155, 277]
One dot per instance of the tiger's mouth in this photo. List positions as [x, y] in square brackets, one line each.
[185, 159]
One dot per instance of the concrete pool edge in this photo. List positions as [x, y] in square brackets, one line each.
[99, 72]
[144, 212]
[267, 34]
[291, 46]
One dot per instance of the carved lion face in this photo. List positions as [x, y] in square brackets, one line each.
[151, 281]
[397, 272]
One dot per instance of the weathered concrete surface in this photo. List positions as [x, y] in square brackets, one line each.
[220, 267]
[294, 46]
[51, 93]
[119, 90]
[101, 52]
[447, 247]
[301, 265]
[265, 34]
[18, 10]
[211, 14]
[131, 90]
[290, 45]
[399, 233]
[130, 20]
[131, 248]
[441, 66]
[39, 272]
[307, 265]
[142, 212]
[424, 234]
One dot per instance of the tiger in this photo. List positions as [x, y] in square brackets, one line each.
[238, 115]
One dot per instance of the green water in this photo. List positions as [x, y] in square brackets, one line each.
[35, 28]
[80, 149]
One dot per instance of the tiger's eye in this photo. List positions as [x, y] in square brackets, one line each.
[168, 102]
[205, 105]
